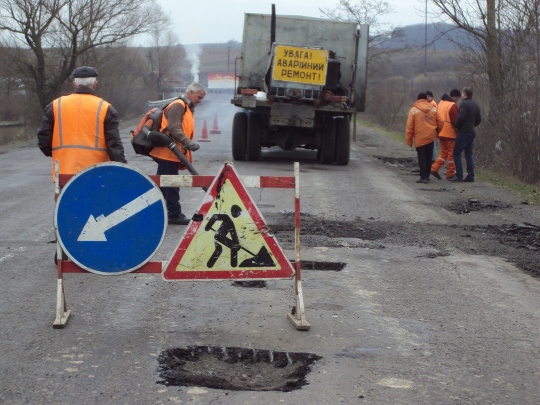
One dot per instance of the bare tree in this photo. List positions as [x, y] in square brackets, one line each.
[505, 65]
[48, 38]
[164, 55]
[368, 12]
[482, 20]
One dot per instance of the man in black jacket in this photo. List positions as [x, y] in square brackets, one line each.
[468, 119]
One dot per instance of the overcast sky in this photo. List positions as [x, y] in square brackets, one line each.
[210, 21]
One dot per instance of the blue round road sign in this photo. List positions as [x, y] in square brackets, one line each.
[110, 218]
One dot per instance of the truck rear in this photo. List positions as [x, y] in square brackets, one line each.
[300, 81]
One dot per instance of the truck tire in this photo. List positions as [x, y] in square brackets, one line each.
[239, 135]
[328, 142]
[343, 141]
[253, 144]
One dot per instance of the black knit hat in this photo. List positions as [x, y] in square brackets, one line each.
[421, 96]
[455, 93]
[429, 93]
[84, 71]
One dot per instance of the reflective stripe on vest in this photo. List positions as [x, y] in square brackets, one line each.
[78, 133]
[188, 126]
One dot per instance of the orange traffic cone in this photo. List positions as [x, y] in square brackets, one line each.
[215, 129]
[204, 135]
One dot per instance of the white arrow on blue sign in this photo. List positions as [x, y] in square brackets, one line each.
[110, 218]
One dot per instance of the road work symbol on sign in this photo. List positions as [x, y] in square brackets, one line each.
[228, 238]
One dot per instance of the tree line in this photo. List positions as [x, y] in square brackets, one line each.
[498, 55]
[43, 41]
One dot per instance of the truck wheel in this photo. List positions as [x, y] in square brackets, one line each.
[328, 142]
[343, 141]
[239, 135]
[253, 144]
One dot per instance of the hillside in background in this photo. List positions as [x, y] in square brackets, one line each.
[439, 36]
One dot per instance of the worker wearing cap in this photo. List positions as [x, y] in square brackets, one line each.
[81, 129]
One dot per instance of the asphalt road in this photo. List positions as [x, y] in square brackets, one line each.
[395, 325]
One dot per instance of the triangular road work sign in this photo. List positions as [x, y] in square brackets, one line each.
[228, 238]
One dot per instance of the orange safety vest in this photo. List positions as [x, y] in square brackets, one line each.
[78, 139]
[448, 130]
[188, 126]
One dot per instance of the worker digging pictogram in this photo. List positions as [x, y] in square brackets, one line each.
[228, 238]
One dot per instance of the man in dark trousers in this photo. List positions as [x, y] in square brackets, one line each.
[468, 119]
[178, 122]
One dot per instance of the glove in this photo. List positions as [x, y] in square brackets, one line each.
[192, 146]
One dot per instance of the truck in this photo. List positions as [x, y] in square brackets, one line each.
[298, 83]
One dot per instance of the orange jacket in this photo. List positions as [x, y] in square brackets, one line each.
[423, 124]
[188, 126]
[78, 139]
[448, 111]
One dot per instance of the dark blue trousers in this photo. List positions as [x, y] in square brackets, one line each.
[464, 142]
[171, 194]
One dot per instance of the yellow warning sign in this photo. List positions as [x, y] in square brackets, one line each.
[300, 64]
[228, 238]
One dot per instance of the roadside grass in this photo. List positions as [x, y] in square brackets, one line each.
[528, 192]
[396, 136]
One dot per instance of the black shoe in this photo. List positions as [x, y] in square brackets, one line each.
[436, 175]
[468, 180]
[455, 179]
[420, 181]
[424, 181]
[179, 220]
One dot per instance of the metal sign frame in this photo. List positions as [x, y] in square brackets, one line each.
[297, 312]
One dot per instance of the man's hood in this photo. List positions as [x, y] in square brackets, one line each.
[423, 105]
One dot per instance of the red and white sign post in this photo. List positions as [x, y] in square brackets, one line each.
[226, 239]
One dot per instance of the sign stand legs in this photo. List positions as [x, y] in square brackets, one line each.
[62, 313]
[298, 313]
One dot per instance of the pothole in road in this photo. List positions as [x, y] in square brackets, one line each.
[235, 368]
[353, 227]
[250, 283]
[398, 162]
[330, 266]
[474, 205]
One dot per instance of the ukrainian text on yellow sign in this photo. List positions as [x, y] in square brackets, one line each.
[301, 65]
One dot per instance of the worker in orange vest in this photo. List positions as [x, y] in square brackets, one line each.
[448, 110]
[81, 129]
[178, 122]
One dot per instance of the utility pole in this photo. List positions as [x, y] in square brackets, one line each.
[425, 44]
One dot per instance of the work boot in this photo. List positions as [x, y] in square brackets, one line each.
[181, 219]
[455, 179]
[436, 175]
